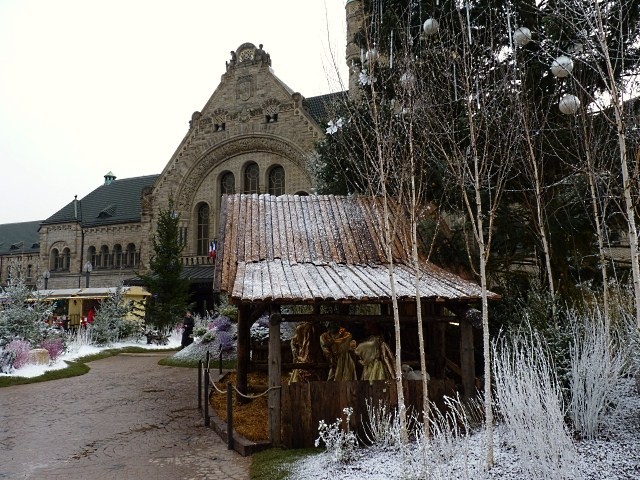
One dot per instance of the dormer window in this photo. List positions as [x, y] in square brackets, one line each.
[108, 211]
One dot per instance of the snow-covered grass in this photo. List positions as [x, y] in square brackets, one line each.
[613, 455]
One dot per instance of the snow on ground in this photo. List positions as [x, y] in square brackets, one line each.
[75, 351]
[615, 455]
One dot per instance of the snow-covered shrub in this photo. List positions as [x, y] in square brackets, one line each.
[340, 444]
[382, 425]
[631, 339]
[214, 335]
[7, 358]
[226, 340]
[228, 310]
[53, 345]
[530, 401]
[221, 323]
[597, 366]
[24, 315]
[443, 452]
[208, 337]
[21, 350]
[199, 331]
[260, 330]
[81, 337]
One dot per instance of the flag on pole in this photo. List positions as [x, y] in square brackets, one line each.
[212, 249]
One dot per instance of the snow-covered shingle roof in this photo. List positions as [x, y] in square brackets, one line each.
[301, 249]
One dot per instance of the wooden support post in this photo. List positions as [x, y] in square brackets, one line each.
[242, 368]
[207, 420]
[200, 384]
[467, 360]
[229, 416]
[275, 370]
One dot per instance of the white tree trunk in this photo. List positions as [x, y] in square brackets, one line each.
[618, 105]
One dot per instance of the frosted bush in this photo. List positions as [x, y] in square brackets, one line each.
[226, 341]
[529, 399]
[228, 310]
[221, 323]
[597, 366]
[21, 350]
[382, 426]
[260, 330]
[7, 358]
[55, 347]
[341, 444]
[443, 452]
[81, 337]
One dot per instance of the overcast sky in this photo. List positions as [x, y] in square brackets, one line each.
[89, 87]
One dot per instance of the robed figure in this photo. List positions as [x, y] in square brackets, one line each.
[337, 345]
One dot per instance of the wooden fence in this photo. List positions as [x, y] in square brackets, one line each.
[303, 405]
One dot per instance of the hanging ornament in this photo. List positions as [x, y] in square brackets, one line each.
[522, 36]
[372, 55]
[562, 66]
[569, 104]
[431, 26]
[407, 80]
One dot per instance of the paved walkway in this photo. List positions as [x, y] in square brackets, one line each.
[128, 418]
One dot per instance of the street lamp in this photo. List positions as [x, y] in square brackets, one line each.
[88, 268]
[46, 275]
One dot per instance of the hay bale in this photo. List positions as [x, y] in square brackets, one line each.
[39, 356]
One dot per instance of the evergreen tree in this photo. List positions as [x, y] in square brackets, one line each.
[169, 290]
[23, 316]
[109, 322]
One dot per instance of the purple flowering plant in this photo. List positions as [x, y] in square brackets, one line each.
[53, 345]
[21, 350]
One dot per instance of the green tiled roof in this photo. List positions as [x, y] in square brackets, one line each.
[20, 237]
[320, 107]
[118, 202]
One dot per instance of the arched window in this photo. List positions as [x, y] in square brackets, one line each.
[132, 258]
[92, 256]
[251, 178]
[104, 257]
[54, 259]
[65, 260]
[276, 180]
[117, 255]
[203, 230]
[228, 184]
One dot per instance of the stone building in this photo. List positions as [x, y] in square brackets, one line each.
[254, 135]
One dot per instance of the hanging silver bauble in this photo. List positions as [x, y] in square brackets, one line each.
[407, 80]
[522, 36]
[431, 26]
[562, 66]
[372, 55]
[569, 104]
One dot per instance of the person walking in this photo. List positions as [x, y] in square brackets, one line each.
[187, 332]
